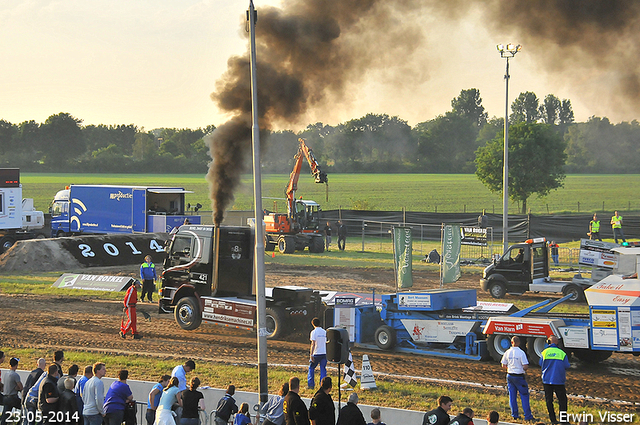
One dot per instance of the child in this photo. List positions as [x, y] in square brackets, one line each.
[242, 417]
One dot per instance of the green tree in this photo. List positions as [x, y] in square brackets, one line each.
[525, 108]
[550, 109]
[469, 105]
[8, 133]
[62, 139]
[144, 147]
[536, 160]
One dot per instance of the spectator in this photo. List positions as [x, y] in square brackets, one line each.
[327, 235]
[554, 253]
[118, 395]
[554, 363]
[375, 417]
[48, 395]
[493, 418]
[295, 411]
[93, 396]
[73, 373]
[58, 358]
[272, 409]
[594, 228]
[130, 301]
[148, 276]
[31, 402]
[192, 403]
[242, 417]
[170, 396]
[616, 226]
[322, 411]
[68, 402]
[516, 363]
[342, 235]
[350, 414]
[226, 406]
[317, 353]
[181, 371]
[79, 389]
[439, 415]
[12, 386]
[463, 418]
[153, 400]
[30, 405]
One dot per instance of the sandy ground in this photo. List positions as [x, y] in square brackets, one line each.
[85, 324]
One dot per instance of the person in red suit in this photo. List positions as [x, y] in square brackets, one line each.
[130, 301]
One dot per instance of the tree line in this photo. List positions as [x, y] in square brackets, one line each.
[375, 143]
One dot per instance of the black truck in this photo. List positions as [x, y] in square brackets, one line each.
[208, 277]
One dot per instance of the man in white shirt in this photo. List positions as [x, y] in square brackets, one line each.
[93, 396]
[317, 353]
[516, 363]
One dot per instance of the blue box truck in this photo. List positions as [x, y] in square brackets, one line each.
[100, 209]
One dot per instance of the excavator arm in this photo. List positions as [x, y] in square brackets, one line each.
[320, 176]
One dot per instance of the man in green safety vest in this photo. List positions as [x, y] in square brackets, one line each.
[594, 228]
[554, 363]
[616, 225]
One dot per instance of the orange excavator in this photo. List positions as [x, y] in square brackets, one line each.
[299, 228]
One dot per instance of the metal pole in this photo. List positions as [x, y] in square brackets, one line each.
[263, 386]
[505, 171]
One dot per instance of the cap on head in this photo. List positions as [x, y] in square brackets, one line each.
[13, 362]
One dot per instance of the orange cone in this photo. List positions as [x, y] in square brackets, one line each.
[273, 255]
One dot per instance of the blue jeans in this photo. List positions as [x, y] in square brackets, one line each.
[556, 259]
[518, 384]
[617, 232]
[93, 419]
[320, 359]
[150, 416]
[189, 421]
[115, 417]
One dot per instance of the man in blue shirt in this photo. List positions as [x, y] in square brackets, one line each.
[554, 363]
[148, 276]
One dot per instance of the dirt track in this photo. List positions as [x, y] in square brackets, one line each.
[91, 325]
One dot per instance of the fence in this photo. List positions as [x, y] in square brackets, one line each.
[141, 413]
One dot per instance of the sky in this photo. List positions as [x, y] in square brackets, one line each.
[155, 63]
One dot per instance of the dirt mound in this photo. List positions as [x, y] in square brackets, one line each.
[37, 255]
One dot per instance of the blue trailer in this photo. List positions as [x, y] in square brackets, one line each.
[102, 209]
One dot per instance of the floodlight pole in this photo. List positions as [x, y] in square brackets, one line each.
[506, 52]
[263, 386]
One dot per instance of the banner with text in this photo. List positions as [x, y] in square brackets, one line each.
[402, 248]
[451, 253]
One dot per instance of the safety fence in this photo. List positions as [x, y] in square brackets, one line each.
[141, 414]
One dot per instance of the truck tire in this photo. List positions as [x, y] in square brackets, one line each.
[498, 345]
[188, 314]
[60, 234]
[275, 323]
[385, 337]
[5, 243]
[591, 356]
[497, 289]
[577, 293]
[317, 245]
[535, 347]
[287, 244]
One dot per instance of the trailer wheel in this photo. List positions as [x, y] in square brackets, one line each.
[275, 322]
[6, 243]
[591, 356]
[498, 345]
[535, 347]
[576, 292]
[497, 289]
[385, 337]
[287, 244]
[187, 313]
[317, 245]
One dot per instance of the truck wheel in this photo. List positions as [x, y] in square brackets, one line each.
[497, 289]
[317, 245]
[498, 345]
[60, 234]
[6, 243]
[576, 292]
[591, 356]
[385, 337]
[535, 347]
[275, 322]
[287, 244]
[187, 313]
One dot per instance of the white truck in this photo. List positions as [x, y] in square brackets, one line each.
[19, 220]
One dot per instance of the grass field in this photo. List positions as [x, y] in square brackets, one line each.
[385, 192]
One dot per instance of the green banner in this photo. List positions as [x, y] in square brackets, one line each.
[451, 253]
[402, 249]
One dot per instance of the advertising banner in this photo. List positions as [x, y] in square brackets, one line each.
[92, 282]
[451, 253]
[474, 236]
[402, 249]
[597, 253]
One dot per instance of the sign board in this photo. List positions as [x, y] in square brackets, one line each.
[474, 236]
[451, 253]
[345, 317]
[229, 312]
[444, 331]
[597, 254]
[575, 336]
[407, 300]
[92, 282]
[403, 250]
[523, 326]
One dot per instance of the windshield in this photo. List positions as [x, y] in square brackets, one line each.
[59, 208]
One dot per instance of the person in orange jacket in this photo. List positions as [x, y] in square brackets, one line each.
[130, 301]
